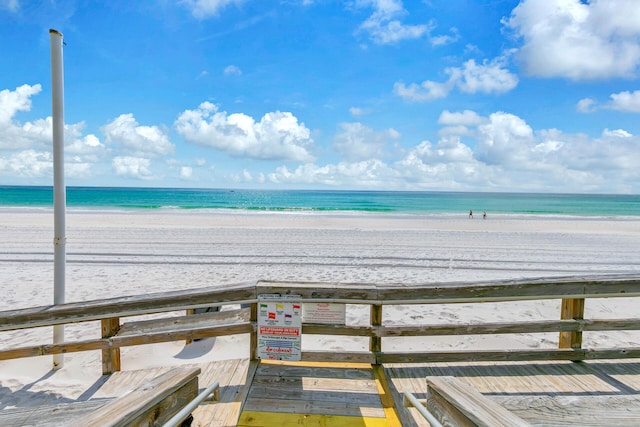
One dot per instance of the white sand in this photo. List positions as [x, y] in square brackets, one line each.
[124, 253]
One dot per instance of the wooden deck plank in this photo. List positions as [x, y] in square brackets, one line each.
[261, 419]
[234, 377]
[320, 389]
[541, 393]
[583, 411]
[407, 378]
[48, 415]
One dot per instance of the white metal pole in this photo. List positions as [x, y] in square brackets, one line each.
[59, 190]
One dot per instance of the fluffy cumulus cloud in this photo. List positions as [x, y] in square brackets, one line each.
[371, 173]
[577, 39]
[626, 101]
[132, 167]
[384, 26]
[25, 147]
[490, 77]
[141, 141]
[203, 9]
[358, 142]
[497, 152]
[27, 164]
[277, 136]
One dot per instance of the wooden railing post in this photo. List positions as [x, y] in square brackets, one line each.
[253, 345]
[375, 343]
[189, 312]
[110, 356]
[572, 308]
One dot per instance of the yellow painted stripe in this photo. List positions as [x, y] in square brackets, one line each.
[264, 419]
[386, 397]
[318, 364]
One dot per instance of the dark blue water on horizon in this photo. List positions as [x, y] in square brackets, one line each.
[390, 202]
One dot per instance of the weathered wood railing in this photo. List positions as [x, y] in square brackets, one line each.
[571, 290]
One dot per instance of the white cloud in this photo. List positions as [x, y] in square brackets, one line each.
[586, 105]
[232, 70]
[277, 136]
[445, 39]
[578, 40]
[369, 173]
[27, 164]
[18, 100]
[357, 112]
[488, 77]
[464, 118]
[139, 141]
[617, 133]
[625, 101]
[132, 167]
[628, 102]
[426, 91]
[202, 9]
[384, 26]
[358, 142]
[186, 172]
[505, 140]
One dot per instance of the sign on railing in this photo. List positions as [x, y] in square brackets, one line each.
[279, 327]
[323, 312]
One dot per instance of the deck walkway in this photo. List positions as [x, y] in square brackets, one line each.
[594, 393]
[588, 394]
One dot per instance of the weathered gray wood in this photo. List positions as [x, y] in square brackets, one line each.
[456, 403]
[511, 290]
[323, 356]
[503, 328]
[125, 306]
[151, 404]
[130, 339]
[508, 355]
[173, 324]
[318, 291]
[48, 415]
[568, 410]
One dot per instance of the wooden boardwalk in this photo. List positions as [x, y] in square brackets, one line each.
[253, 393]
[586, 394]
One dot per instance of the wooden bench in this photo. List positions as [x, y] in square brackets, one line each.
[455, 403]
[148, 405]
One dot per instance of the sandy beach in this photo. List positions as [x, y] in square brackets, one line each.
[112, 253]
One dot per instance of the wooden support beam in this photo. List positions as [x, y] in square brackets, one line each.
[375, 343]
[190, 312]
[110, 356]
[253, 342]
[572, 308]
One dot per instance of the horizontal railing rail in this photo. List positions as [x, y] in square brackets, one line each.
[571, 290]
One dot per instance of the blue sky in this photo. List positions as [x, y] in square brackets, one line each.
[495, 95]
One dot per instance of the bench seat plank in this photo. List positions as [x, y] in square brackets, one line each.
[151, 404]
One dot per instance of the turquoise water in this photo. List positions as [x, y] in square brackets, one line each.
[420, 203]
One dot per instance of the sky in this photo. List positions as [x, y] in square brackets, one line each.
[456, 95]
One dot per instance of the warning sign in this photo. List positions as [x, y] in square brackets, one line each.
[279, 327]
[330, 314]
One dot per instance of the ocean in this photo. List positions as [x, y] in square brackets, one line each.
[309, 201]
